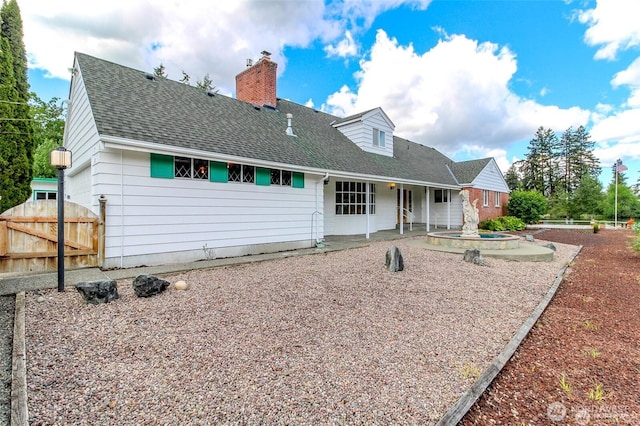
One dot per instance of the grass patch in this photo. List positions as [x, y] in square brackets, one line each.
[597, 394]
[592, 352]
[469, 371]
[590, 325]
[565, 385]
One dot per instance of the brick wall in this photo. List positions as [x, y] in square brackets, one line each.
[490, 211]
[257, 84]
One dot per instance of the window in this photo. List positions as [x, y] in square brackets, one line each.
[191, 168]
[485, 198]
[379, 138]
[351, 198]
[441, 195]
[280, 177]
[241, 173]
[44, 195]
[496, 196]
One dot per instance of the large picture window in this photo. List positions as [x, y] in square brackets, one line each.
[351, 198]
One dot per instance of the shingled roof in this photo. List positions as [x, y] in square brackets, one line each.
[128, 104]
[467, 171]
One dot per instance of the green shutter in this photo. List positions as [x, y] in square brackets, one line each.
[298, 180]
[263, 176]
[162, 166]
[218, 171]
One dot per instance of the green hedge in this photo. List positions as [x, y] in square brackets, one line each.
[503, 223]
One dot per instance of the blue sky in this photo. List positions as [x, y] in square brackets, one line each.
[470, 78]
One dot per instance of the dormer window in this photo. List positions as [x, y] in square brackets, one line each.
[379, 138]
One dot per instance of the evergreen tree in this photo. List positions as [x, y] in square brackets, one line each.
[586, 199]
[15, 169]
[185, 78]
[577, 159]
[12, 31]
[540, 170]
[206, 83]
[160, 71]
[512, 177]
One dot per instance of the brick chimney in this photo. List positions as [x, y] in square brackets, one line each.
[257, 83]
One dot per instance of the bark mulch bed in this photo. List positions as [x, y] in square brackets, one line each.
[581, 362]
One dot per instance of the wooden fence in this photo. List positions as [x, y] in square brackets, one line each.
[29, 237]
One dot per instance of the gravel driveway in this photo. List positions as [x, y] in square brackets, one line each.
[329, 338]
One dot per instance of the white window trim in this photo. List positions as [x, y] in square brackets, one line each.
[496, 195]
[485, 198]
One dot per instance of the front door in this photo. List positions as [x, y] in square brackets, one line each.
[407, 204]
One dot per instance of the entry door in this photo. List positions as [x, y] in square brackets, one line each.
[407, 204]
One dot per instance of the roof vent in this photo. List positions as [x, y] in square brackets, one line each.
[211, 93]
[289, 130]
[256, 107]
[249, 63]
[150, 76]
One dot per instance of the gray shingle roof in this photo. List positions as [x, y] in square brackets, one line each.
[467, 171]
[127, 104]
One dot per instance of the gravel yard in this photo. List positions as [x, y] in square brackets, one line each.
[325, 338]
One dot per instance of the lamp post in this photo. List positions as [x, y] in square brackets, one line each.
[61, 159]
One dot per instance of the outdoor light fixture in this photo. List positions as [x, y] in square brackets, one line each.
[61, 159]
[392, 185]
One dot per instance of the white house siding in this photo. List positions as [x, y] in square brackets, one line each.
[338, 224]
[439, 212]
[490, 178]
[78, 188]
[361, 133]
[81, 133]
[154, 221]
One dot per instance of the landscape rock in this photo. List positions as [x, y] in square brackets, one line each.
[181, 285]
[393, 259]
[473, 256]
[100, 291]
[149, 285]
[529, 238]
[550, 246]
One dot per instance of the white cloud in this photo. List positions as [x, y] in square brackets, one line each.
[455, 95]
[613, 25]
[345, 48]
[198, 37]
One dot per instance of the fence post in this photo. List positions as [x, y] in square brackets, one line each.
[102, 229]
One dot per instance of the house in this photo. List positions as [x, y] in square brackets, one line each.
[189, 174]
[44, 188]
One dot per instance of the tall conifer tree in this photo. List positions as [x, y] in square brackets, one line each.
[16, 136]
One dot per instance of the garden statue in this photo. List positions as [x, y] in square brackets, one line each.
[470, 216]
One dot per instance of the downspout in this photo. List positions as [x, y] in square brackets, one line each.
[121, 209]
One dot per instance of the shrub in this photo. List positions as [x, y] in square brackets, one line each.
[491, 225]
[527, 205]
[503, 223]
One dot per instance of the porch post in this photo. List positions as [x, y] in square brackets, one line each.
[401, 207]
[427, 198]
[368, 207]
[448, 209]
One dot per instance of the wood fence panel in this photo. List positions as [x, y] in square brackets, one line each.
[29, 237]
